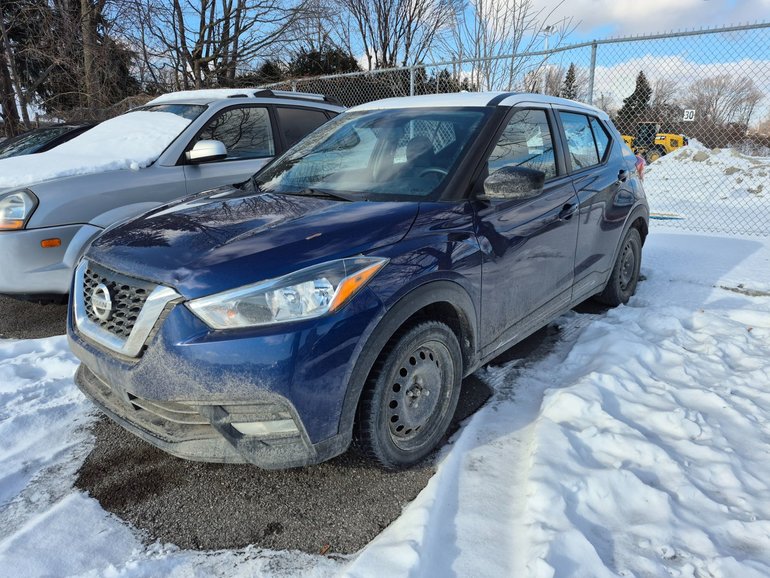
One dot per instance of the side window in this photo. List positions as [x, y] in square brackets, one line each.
[296, 123]
[601, 137]
[580, 140]
[525, 142]
[246, 132]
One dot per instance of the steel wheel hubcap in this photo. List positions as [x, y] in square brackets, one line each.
[627, 266]
[417, 391]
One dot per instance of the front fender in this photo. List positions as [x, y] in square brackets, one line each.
[382, 329]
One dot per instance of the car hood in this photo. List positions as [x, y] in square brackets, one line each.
[225, 239]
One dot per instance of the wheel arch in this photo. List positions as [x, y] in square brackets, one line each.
[444, 301]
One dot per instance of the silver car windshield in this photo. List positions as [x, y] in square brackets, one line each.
[404, 154]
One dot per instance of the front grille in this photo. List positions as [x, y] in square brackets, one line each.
[127, 294]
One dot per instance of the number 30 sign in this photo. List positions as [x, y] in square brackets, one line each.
[689, 115]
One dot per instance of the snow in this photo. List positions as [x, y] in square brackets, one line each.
[636, 445]
[719, 190]
[130, 141]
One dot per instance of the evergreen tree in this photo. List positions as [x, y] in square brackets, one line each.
[270, 72]
[569, 87]
[321, 61]
[636, 107]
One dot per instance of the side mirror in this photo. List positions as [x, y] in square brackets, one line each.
[206, 151]
[512, 182]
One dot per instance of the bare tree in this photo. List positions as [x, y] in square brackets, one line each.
[486, 30]
[725, 99]
[397, 32]
[205, 41]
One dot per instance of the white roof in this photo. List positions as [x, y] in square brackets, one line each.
[459, 99]
[203, 95]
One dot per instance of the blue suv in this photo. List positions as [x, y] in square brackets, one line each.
[344, 291]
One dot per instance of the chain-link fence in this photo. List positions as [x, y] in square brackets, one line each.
[695, 105]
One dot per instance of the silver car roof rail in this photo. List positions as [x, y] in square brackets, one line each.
[269, 92]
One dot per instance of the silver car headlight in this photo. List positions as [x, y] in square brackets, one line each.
[305, 294]
[16, 208]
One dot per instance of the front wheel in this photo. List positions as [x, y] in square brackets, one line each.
[625, 273]
[411, 396]
[654, 154]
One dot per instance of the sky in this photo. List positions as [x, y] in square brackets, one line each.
[687, 60]
[603, 18]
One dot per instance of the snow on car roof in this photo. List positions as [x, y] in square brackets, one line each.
[130, 141]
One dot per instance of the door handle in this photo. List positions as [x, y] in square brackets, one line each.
[567, 211]
[622, 175]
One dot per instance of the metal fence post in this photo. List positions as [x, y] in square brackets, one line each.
[294, 86]
[591, 73]
[411, 81]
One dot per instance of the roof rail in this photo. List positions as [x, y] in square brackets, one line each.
[268, 92]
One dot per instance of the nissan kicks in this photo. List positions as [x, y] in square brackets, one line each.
[343, 293]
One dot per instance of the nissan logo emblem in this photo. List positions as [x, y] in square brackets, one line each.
[101, 302]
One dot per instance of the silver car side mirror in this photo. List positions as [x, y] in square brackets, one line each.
[206, 151]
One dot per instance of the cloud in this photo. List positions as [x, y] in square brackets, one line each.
[623, 17]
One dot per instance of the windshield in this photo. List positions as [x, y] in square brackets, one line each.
[31, 141]
[396, 155]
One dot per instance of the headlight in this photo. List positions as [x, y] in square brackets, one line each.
[308, 293]
[15, 209]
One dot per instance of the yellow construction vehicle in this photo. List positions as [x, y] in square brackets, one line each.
[653, 144]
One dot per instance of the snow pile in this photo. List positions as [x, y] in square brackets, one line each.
[713, 189]
[637, 445]
[130, 141]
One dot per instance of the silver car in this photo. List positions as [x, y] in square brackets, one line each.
[220, 137]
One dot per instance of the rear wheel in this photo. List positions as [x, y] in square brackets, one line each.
[411, 396]
[625, 273]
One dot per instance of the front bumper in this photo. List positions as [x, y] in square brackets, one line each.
[26, 268]
[190, 385]
[202, 432]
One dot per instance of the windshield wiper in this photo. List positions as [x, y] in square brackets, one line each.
[309, 192]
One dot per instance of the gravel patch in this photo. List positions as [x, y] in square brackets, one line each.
[27, 320]
[339, 506]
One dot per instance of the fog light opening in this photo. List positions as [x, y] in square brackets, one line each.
[272, 427]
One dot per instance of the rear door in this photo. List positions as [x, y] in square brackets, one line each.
[603, 186]
[295, 123]
[528, 245]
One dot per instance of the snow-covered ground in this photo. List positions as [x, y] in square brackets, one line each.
[640, 446]
[720, 190]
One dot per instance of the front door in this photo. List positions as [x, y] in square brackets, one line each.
[247, 133]
[528, 245]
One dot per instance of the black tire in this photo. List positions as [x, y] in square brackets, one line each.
[411, 396]
[625, 272]
[654, 154]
